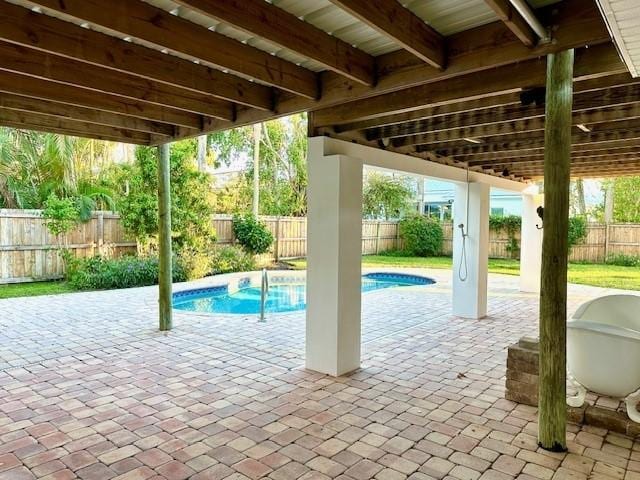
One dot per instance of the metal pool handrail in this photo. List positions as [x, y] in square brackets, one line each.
[264, 290]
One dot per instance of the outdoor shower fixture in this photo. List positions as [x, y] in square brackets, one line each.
[463, 269]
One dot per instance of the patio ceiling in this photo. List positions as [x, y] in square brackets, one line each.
[458, 82]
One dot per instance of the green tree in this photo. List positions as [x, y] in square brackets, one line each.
[282, 167]
[384, 196]
[191, 197]
[626, 199]
[34, 166]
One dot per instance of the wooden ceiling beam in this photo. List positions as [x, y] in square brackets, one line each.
[599, 60]
[25, 27]
[36, 88]
[584, 99]
[522, 163]
[401, 25]
[48, 123]
[589, 118]
[88, 115]
[514, 21]
[28, 61]
[140, 20]
[590, 140]
[262, 19]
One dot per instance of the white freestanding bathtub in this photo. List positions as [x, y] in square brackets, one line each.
[603, 350]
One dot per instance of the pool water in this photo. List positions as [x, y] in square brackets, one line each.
[282, 297]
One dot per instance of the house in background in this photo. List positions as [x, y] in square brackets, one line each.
[435, 198]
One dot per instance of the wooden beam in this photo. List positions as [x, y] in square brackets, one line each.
[405, 28]
[602, 59]
[165, 273]
[143, 21]
[521, 164]
[25, 27]
[47, 123]
[262, 19]
[28, 61]
[576, 23]
[36, 88]
[514, 21]
[88, 115]
[584, 101]
[590, 118]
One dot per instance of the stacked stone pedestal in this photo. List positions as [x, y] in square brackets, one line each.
[522, 387]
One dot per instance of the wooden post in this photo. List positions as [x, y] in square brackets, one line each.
[607, 245]
[378, 237]
[553, 293]
[100, 232]
[164, 240]
[277, 245]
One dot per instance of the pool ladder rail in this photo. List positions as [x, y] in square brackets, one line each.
[264, 291]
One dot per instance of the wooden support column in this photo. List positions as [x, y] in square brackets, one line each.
[553, 293]
[164, 240]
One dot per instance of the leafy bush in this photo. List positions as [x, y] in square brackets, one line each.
[194, 262]
[422, 235]
[99, 273]
[510, 224]
[577, 230]
[61, 215]
[623, 260]
[252, 234]
[228, 258]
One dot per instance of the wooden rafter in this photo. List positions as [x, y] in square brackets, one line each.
[510, 78]
[36, 88]
[47, 123]
[24, 27]
[28, 61]
[88, 115]
[276, 25]
[140, 20]
[405, 28]
[513, 20]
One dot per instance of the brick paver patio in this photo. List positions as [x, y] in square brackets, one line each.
[90, 389]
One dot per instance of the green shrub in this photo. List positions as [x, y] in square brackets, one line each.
[577, 230]
[228, 258]
[60, 214]
[252, 234]
[622, 260]
[194, 262]
[510, 224]
[99, 273]
[422, 235]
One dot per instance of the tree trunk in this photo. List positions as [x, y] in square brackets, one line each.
[164, 241]
[202, 152]
[553, 293]
[256, 168]
[608, 202]
[581, 207]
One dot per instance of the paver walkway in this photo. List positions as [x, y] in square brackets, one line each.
[90, 389]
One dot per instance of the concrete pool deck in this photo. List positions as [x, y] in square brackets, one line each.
[90, 389]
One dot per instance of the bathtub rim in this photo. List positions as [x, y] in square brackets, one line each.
[605, 329]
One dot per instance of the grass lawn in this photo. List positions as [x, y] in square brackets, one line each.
[34, 289]
[610, 276]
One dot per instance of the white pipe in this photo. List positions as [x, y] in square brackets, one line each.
[524, 9]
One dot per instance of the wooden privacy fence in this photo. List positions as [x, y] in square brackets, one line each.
[29, 252]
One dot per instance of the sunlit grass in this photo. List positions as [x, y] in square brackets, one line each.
[34, 289]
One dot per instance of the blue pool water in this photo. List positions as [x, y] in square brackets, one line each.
[282, 297]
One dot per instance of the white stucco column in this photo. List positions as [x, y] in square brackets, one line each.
[470, 277]
[334, 245]
[531, 242]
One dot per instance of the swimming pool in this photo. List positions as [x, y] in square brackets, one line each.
[287, 293]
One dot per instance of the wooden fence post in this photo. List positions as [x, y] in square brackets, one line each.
[277, 249]
[607, 245]
[100, 232]
[378, 237]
